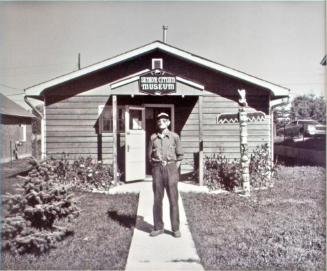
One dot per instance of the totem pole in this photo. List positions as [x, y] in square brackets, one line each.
[243, 119]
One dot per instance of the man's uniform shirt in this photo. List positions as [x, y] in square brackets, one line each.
[165, 147]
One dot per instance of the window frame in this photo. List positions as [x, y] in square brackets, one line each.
[23, 133]
[101, 109]
[154, 60]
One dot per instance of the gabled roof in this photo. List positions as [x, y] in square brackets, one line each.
[10, 108]
[275, 89]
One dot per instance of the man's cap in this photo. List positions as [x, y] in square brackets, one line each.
[162, 115]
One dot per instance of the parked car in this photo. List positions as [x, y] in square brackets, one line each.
[300, 128]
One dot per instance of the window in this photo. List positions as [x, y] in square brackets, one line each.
[22, 132]
[105, 119]
[135, 119]
[157, 63]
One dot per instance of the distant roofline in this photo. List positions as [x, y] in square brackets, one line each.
[9, 108]
[276, 90]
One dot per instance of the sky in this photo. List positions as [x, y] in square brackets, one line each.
[281, 42]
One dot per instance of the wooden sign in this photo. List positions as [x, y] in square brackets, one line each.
[157, 82]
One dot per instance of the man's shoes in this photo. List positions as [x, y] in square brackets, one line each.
[177, 234]
[156, 232]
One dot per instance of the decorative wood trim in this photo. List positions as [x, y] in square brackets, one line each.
[189, 82]
[232, 118]
[127, 79]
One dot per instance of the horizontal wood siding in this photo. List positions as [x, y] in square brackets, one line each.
[106, 158]
[187, 121]
[72, 129]
[10, 132]
[225, 138]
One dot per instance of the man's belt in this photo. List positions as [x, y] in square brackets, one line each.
[164, 162]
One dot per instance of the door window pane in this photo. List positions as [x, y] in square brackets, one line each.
[135, 119]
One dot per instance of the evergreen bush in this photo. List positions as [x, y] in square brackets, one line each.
[31, 218]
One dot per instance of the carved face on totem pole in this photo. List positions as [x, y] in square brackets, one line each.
[242, 101]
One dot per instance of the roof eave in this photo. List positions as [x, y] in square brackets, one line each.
[275, 89]
[19, 116]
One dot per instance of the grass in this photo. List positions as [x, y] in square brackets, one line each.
[282, 228]
[101, 240]
[16, 167]
[8, 172]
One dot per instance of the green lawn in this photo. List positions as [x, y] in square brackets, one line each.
[102, 237]
[16, 167]
[282, 228]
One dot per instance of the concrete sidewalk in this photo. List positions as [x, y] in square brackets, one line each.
[163, 252]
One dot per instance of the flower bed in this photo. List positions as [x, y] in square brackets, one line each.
[83, 174]
[223, 173]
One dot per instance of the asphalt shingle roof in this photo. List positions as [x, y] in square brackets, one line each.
[10, 108]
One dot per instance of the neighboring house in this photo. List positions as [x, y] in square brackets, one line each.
[107, 110]
[16, 130]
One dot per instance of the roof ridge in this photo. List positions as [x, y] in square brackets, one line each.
[159, 45]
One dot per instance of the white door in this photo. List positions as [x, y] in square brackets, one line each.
[134, 143]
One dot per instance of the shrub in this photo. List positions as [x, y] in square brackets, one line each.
[82, 174]
[29, 224]
[261, 167]
[223, 173]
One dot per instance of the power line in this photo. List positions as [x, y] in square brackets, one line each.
[15, 94]
[33, 66]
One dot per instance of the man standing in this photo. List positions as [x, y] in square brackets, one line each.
[165, 154]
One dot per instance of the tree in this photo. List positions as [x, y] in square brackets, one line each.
[281, 116]
[308, 107]
[35, 220]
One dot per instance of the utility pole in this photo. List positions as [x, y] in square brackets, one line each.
[165, 29]
[79, 61]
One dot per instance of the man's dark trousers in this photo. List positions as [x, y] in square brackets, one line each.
[165, 177]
